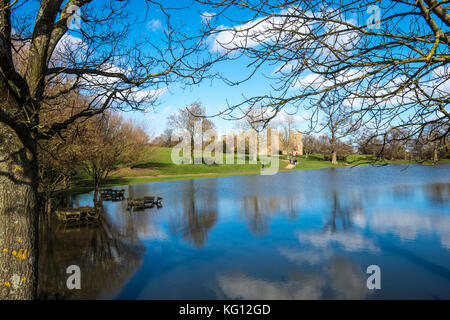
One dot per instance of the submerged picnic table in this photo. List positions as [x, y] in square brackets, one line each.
[78, 215]
[112, 194]
[146, 202]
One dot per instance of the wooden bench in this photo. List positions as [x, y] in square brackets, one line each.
[145, 202]
[77, 215]
[112, 194]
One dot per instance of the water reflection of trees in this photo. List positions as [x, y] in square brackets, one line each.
[341, 214]
[106, 255]
[403, 191]
[438, 193]
[199, 215]
[260, 210]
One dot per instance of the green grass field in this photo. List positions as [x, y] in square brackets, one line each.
[158, 166]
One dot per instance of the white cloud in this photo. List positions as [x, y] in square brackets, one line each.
[166, 109]
[297, 118]
[314, 80]
[154, 25]
[68, 45]
[253, 33]
[207, 16]
[102, 81]
[442, 76]
[290, 26]
[146, 94]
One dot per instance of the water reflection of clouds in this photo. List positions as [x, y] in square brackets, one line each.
[339, 279]
[241, 286]
[359, 218]
[348, 281]
[334, 277]
[409, 225]
[349, 241]
[153, 232]
[311, 257]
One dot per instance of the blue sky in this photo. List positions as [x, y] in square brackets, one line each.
[213, 94]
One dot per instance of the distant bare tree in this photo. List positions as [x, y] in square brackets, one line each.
[309, 145]
[288, 125]
[369, 144]
[191, 120]
[336, 118]
[252, 120]
[430, 146]
[167, 137]
[394, 146]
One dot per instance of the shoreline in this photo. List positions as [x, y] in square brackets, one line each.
[84, 185]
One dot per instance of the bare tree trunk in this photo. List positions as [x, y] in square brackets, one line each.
[435, 153]
[333, 146]
[192, 149]
[67, 182]
[18, 218]
[48, 202]
[334, 157]
[96, 187]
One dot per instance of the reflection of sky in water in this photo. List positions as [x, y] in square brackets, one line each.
[296, 235]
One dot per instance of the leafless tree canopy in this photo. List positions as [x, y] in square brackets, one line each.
[103, 60]
[391, 72]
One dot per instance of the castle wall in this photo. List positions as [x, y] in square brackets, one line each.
[296, 143]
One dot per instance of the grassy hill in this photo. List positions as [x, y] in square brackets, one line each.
[157, 165]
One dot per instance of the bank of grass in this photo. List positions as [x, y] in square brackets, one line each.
[158, 166]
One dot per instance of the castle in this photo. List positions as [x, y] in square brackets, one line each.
[295, 143]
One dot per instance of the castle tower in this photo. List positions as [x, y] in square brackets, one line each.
[295, 143]
[298, 142]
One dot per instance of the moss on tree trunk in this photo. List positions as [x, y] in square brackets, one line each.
[18, 218]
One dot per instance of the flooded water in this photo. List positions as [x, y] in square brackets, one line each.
[294, 235]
